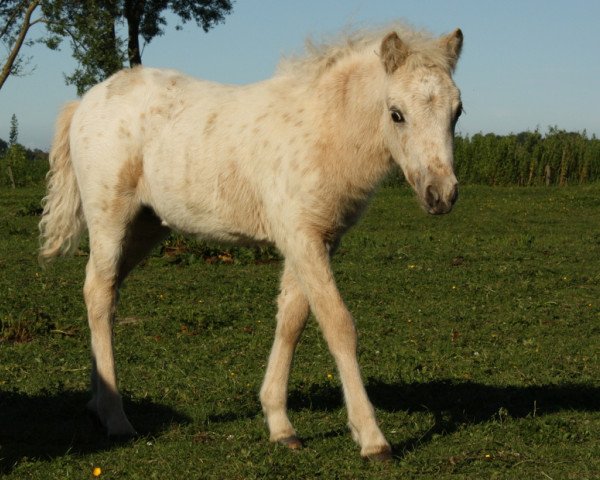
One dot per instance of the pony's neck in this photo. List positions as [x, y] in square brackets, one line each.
[351, 99]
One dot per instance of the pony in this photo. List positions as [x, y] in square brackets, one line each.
[290, 161]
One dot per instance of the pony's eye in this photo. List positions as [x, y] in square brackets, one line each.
[396, 116]
[458, 113]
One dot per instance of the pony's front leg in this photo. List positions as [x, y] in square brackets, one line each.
[291, 318]
[310, 263]
[100, 298]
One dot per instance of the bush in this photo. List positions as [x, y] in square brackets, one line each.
[20, 167]
[528, 158]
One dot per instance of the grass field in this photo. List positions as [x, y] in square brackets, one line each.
[479, 344]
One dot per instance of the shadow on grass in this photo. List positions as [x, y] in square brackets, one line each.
[49, 426]
[455, 404]
[45, 426]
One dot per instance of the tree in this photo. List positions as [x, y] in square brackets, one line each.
[14, 157]
[94, 30]
[98, 44]
[16, 163]
[16, 21]
[13, 135]
[91, 27]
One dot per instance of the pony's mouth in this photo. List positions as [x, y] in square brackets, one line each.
[436, 204]
[439, 209]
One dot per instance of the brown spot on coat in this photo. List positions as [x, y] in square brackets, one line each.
[173, 81]
[210, 123]
[130, 174]
[158, 111]
[437, 168]
[124, 81]
[128, 179]
[127, 182]
[244, 208]
[124, 132]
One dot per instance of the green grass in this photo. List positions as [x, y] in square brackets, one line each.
[478, 343]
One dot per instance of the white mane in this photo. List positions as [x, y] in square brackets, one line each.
[424, 48]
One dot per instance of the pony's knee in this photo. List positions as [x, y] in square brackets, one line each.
[292, 317]
[340, 333]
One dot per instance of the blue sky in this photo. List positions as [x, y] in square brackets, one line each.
[526, 64]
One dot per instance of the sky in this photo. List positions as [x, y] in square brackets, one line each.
[525, 64]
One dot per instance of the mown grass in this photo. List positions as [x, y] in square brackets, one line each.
[478, 342]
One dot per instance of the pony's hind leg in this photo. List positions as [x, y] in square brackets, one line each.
[114, 252]
[100, 292]
[291, 319]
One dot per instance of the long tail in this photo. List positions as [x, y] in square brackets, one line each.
[62, 220]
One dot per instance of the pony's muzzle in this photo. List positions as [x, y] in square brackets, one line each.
[438, 202]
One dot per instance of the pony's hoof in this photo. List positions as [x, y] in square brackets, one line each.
[384, 455]
[122, 437]
[292, 442]
[117, 435]
[121, 432]
[95, 420]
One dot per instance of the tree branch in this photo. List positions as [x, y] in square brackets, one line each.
[9, 22]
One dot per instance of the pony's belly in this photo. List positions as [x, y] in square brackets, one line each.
[209, 199]
[203, 222]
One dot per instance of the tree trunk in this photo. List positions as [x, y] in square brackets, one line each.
[133, 11]
[548, 174]
[12, 57]
[11, 176]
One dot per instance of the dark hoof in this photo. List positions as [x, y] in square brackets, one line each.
[382, 456]
[122, 438]
[96, 422]
[99, 427]
[293, 442]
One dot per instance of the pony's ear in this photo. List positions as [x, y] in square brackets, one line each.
[393, 52]
[452, 43]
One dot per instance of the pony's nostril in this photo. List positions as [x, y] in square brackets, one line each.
[454, 196]
[432, 197]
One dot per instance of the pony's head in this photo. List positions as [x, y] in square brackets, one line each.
[422, 106]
